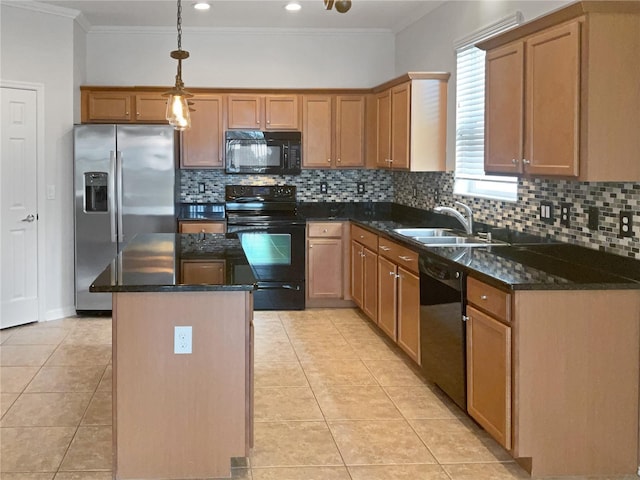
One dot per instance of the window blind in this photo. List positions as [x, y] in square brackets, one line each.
[470, 82]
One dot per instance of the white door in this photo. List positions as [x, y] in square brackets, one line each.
[18, 208]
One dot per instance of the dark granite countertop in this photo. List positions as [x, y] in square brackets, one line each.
[525, 262]
[153, 263]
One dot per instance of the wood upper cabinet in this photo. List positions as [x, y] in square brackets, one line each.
[334, 131]
[263, 112]
[202, 144]
[562, 97]
[412, 123]
[326, 258]
[122, 106]
[383, 129]
[532, 106]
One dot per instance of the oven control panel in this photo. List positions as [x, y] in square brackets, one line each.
[261, 192]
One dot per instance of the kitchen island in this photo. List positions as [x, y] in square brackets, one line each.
[182, 398]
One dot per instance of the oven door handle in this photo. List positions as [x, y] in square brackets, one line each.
[285, 286]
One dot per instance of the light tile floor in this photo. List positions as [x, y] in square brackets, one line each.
[334, 400]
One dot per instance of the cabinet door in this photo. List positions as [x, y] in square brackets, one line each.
[197, 272]
[489, 374]
[387, 297]
[317, 128]
[400, 125]
[409, 313]
[552, 106]
[282, 112]
[357, 273]
[504, 97]
[370, 284]
[202, 143]
[325, 267]
[244, 111]
[109, 107]
[383, 130]
[151, 107]
[349, 131]
[202, 227]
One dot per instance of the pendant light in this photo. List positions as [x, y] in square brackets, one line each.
[178, 105]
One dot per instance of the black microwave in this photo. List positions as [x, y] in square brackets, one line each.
[253, 151]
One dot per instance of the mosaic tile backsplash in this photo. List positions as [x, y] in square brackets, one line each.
[437, 188]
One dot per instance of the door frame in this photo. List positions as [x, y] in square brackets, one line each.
[40, 183]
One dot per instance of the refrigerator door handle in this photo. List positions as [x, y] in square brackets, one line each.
[119, 196]
[112, 195]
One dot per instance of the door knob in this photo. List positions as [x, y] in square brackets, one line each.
[28, 218]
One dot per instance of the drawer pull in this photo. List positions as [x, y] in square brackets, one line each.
[324, 230]
[406, 259]
[386, 249]
[361, 236]
[483, 297]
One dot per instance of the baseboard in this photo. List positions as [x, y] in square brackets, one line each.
[59, 313]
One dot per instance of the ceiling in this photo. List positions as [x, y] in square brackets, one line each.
[389, 15]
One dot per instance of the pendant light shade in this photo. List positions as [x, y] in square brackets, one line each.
[178, 105]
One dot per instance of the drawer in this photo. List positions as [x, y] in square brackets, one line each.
[491, 300]
[324, 229]
[203, 227]
[399, 254]
[365, 237]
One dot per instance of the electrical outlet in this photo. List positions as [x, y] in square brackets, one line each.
[361, 187]
[546, 211]
[626, 223]
[182, 337]
[565, 214]
[324, 187]
[201, 187]
[594, 218]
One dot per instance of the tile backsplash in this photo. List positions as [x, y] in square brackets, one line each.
[437, 188]
[524, 215]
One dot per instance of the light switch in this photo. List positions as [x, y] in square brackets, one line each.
[51, 192]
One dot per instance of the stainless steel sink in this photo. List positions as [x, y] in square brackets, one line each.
[426, 232]
[444, 237]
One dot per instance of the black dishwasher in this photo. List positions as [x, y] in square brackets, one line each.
[442, 326]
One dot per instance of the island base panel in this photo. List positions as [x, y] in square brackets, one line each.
[180, 415]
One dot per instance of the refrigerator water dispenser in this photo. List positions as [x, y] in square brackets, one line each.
[95, 192]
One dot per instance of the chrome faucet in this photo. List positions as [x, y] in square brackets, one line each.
[467, 222]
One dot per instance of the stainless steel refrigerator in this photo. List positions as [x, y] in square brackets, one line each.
[124, 182]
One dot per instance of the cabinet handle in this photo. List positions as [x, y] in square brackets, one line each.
[310, 246]
[203, 231]
[329, 160]
[397, 276]
[386, 249]
[483, 297]
[324, 230]
[526, 162]
[514, 161]
[406, 259]
[258, 122]
[338, 160]
[361, 236]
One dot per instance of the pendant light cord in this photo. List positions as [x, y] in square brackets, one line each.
[179, 25]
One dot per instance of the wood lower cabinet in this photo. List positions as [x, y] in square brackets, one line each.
[211, 272]
[201, 226]
[489, 374]
[334, 131]
[561, 95]
[202, 144]
[327, 263]
[364, 271]
[399, 296]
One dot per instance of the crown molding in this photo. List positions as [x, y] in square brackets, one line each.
[71, 13]
[239, 30]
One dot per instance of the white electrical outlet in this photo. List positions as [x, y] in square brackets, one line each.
[182, 340]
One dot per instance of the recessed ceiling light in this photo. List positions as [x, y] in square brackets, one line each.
[293, 6]
[201, 6]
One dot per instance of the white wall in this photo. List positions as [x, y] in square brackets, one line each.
[79, 67]
[38, 48]
[428, 44]
[241, 58]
